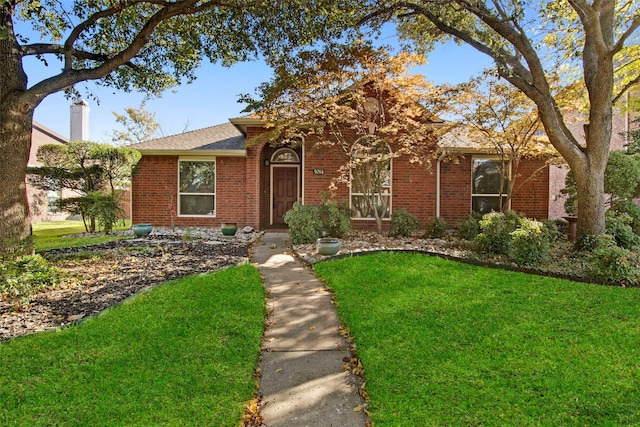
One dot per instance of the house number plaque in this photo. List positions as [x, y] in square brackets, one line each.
[318, 171]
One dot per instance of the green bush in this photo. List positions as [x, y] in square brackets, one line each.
[469, 227]
[619, 226]
[436, 228]
[403, 223]
[105, 208]
[305, 224]
[26, 275]
[530, 242]
[631, 209]
[335, 218]
[613, 264]
[552, 230]
[495, 232]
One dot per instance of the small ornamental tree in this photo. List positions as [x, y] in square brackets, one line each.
[357, 99]
[550, 50]
[92, 171]
[143, 45]
[505, 122]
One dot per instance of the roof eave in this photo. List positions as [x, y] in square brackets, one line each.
[203, 153]
[242, 123]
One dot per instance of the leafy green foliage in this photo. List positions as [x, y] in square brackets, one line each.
[619, 227]
[335, 218]
[92, 170]
[305, 224]
[105, 208]
[622, 175]
[469, 227]
[614, 264]
[436, 228]
[629, 208]
[529, 242]
[403, 223]
[495, 232]
[23, 276]
[139, 125]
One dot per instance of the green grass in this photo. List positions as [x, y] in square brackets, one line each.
[50, 235]
[181, 354]
[445, 343]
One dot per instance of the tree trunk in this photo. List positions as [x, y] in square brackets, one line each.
[16, 116]
[15, 143]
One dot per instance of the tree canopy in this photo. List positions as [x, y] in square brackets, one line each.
[359, 99]
[143, 45]
[545, 49]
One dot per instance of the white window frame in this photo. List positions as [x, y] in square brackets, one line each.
[379, 195]
[214, 194]
[494, 195]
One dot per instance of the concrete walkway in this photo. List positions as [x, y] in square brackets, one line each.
[303, 382]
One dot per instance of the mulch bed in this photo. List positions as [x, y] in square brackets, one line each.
[113, 272]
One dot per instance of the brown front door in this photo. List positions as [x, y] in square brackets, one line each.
[285, 191]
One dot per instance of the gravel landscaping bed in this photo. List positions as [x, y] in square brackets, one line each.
[103, 275]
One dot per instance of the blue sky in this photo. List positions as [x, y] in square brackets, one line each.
[212, 98]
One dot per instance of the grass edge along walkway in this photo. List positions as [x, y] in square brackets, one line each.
[182, 354]
[447, 343]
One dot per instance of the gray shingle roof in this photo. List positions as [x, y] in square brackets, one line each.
[224, 137]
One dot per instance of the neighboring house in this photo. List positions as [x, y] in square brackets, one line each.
[210, 176]
[43, 204]
[623, 122]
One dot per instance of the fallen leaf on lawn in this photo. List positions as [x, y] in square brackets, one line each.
[357, 408]
[311, 328]
[279, 370]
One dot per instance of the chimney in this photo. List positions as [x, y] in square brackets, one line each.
[79, 120]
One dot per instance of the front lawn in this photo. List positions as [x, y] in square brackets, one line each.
[446, 343]
[181, 354]
[52, 234]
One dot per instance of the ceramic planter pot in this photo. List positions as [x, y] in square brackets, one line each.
[141, 230]
[229, 229]
[328, 245]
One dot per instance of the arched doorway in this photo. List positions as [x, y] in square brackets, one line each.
[284, 184]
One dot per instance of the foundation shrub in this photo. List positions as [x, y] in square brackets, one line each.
[529, 242]
[614, 264]
[469, 227]
[305, 224]
[495, 232]
[436, 228]
[403, 223]
[26, 275]
[335, 218]
[619, 227]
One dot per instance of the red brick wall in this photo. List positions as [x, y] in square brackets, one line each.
[455, 189]
[242, 198]
[155, 189]
[532, 199]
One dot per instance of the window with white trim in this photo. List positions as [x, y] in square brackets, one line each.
[371, 181]
[489, 184]
[196, 187]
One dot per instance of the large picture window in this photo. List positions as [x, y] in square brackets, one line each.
[197, 187]
[489, 184]
[371, 183]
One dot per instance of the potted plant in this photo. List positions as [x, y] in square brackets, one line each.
[328, 245]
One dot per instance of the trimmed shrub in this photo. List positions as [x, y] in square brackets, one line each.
[613, 264]
[530, 242]
[551, 230]
[469, 227]
[305, 224]
[495, 232]
[631, 209]
[335, 219]
[105, 208]
[403, 223]
[619, 226]
[436, 228]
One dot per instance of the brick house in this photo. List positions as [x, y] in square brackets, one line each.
[210, 176]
